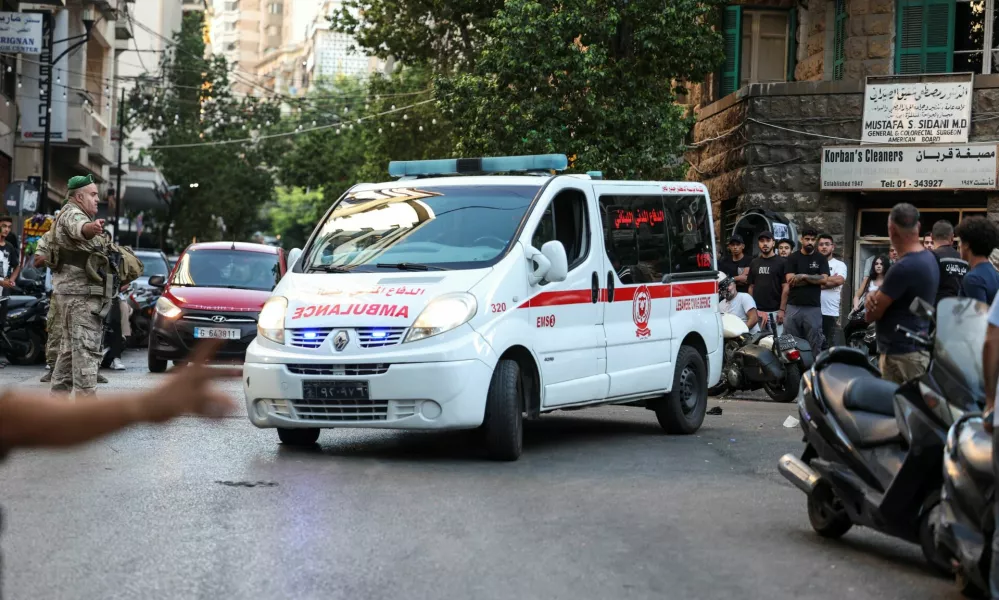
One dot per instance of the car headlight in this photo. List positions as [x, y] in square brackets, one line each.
[441, 315]
[166, 308]
[270, 323]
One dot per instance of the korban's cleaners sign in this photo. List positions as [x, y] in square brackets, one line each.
[917, 110]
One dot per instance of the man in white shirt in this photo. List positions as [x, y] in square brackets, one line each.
[832, 292]
[738, 304]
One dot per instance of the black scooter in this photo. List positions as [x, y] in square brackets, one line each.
[860, 334]
[23, 337]
[874, 450]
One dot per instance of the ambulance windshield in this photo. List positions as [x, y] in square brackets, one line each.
[438, 227]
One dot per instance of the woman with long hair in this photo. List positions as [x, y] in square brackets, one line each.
[873, 280]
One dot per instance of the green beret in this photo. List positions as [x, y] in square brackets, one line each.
[80, 181]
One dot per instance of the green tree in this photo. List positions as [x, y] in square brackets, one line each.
[553, 78]
[186, 107]
[295, 214]
[444, 35]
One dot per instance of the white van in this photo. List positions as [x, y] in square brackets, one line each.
[459, 302]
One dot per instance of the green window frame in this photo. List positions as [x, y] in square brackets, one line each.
[839, 39]
[730, 73]
[924, 36]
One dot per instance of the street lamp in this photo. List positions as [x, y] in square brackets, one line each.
[88, 24]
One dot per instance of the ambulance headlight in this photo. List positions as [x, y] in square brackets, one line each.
[166, 308]
[442, 314]
[270, 323]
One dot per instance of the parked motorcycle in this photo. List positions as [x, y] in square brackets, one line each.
[861, 335]
[965, 523]
[763, 360]
[23, 337]
[874, 450]
[142, 301]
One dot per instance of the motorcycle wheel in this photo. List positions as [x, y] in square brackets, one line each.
[927, 543]
[35, 350]
[787, 390]
[825, 512]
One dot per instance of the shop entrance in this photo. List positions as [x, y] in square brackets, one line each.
[871, 237]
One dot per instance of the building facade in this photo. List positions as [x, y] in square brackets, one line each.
[795, 90]
[330, 54]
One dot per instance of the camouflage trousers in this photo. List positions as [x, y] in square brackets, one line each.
[53, 325]
[80, 344]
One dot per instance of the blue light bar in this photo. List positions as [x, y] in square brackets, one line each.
[495, 164]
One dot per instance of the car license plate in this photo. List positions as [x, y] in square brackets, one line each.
[334, 390]
[215, 333]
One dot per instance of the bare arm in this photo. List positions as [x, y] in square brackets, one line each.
[833, 281]
[862, 288]
[877, 303]
[785, 290]
[990, 365]
[752, 317]
[743, 275]
[33, 419]
[802, 279]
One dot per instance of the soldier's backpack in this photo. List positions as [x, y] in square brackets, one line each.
[130, 267]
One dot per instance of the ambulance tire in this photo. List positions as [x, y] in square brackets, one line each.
[503, 425]
[682, 410]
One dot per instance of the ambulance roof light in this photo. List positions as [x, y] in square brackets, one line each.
[493, 164]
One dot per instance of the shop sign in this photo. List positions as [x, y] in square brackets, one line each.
[20, 32]
[918, 110]
[868, 168]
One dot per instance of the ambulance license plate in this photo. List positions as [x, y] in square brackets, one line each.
[334, 390]
[216, 333]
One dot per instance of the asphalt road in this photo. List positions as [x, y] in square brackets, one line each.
[602, 505]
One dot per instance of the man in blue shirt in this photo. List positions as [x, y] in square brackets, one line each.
[979, 236]
[915, 274]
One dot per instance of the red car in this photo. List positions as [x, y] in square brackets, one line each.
[215, 291]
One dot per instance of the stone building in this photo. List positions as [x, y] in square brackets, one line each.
[794, 82]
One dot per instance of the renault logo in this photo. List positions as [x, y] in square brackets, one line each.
[218, 319]
[340, 340]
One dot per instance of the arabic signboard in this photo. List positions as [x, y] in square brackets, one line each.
[889, 168]
[934, 111]
[35, 77]
[20, 32]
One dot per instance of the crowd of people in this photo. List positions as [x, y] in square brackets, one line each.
[799, 290]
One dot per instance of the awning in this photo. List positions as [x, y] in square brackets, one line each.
[145, 189]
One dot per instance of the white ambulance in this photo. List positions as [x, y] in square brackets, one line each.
[445, 300]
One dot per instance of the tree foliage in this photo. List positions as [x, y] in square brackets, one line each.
[553, 78]
[191, 102]
[444, 35]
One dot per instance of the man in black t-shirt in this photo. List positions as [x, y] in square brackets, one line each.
[767, 283]
[736, 265]
[9, 269]
[952, 266]
[807, 270]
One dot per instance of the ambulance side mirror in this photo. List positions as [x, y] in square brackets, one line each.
[539, 265]
[555, 253]
[293, 255]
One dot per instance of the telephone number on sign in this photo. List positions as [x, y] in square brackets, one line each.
[916, 183]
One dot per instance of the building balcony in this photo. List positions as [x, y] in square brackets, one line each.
[100, 150]
[79, 125]
[122, 31]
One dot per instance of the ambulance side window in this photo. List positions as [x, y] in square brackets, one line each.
[635, 234]
[690, 234]
[566, 220]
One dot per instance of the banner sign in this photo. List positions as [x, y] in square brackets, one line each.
[897, 111]
[36, 74]
[20, 32]
[867, 168]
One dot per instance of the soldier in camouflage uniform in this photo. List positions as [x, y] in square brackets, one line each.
[75, 236]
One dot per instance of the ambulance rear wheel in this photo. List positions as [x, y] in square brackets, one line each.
[682, 410]
[503, 427]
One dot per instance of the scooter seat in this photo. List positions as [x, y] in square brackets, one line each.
[862, 404]
[20, 301]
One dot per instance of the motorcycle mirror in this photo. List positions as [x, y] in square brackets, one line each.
[157, 281]
[921, 308]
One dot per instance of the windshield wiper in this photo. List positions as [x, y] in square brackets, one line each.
[407, 266]
[329, 269]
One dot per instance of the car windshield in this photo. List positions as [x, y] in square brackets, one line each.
[960, 336]
[415, 228]
[153, 264]
[227, 269]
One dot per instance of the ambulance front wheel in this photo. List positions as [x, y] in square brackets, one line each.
[503, 427]
[682, 409]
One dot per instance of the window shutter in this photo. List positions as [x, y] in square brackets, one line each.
[938, 50]
[839, 39]
[792, 42]
[732, 30]
[925, 37]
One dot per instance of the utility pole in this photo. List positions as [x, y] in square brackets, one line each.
[121, 144]
[88, 24]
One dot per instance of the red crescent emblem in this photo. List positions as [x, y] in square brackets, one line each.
[641, 311]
